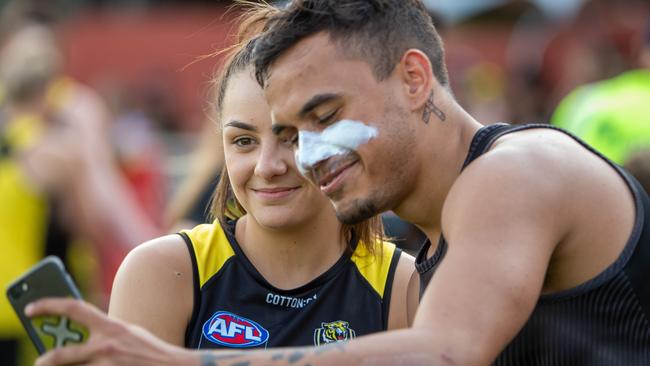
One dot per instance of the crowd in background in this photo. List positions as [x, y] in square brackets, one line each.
[105, 113]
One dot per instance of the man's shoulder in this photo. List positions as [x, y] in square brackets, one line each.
[530, 167]
[532, 152]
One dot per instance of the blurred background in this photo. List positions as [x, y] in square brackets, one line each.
[106, 136]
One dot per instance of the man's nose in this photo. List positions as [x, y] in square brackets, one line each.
[313, 149]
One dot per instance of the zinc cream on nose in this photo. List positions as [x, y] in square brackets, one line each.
[340, 138]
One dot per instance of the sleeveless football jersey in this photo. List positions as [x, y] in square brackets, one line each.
[603, 321]
[235, 307]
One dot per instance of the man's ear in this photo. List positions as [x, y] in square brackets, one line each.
[417, 78]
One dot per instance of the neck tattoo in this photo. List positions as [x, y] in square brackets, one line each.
[430, 107]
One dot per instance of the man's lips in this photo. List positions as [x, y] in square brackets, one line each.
[331, 169]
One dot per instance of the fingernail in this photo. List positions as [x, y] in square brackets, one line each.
[28, 309]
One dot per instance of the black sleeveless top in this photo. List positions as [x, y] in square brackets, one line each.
[235, 307]
[604, 321]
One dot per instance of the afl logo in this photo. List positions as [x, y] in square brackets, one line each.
[229, 330]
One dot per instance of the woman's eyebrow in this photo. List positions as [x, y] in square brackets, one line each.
[242, 125]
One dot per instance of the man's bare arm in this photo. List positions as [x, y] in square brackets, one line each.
[113, 342]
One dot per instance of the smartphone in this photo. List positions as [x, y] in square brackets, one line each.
[47, 278]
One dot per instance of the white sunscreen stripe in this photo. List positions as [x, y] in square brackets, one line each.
[340, 138]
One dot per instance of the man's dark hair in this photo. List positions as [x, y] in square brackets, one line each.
[378, 31]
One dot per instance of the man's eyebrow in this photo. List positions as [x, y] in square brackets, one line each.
[242, 125]
[315, 101]
[277, 129]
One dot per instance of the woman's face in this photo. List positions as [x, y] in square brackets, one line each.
[262, 171]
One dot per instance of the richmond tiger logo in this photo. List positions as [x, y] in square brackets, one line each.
[338, 331]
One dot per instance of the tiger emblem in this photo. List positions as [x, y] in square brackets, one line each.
[338, 331]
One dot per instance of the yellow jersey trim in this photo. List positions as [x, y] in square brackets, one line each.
[374, 268]
[211, 249]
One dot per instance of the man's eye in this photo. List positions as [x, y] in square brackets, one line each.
[291, 141]
[327, 117]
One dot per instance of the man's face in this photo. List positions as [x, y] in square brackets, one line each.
[313, 86]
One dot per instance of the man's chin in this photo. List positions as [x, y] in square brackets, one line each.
[355, 212]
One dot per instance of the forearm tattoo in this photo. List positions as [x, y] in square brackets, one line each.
[430, 107]
[281, 357]
[211, 359]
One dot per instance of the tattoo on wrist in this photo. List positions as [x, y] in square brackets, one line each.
[429, 108]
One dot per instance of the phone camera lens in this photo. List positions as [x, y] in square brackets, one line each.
[15, 292]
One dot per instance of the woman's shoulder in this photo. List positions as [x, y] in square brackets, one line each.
[210, 247]
[169, 249]
[204, 232]
[154, 288]
[209, 239]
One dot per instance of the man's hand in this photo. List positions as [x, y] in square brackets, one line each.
[111, 342]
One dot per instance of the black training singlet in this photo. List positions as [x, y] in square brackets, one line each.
[235, 307]
[605, 320]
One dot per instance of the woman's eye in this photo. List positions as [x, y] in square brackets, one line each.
[244, 141]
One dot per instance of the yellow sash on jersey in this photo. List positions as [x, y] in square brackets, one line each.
[211, 249]
[374, 268]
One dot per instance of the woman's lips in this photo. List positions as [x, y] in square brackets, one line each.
[276, 192]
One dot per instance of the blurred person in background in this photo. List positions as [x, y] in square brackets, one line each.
[598, 43]
[58, 181]
[277, 256]
[612, 115]
[189, 205]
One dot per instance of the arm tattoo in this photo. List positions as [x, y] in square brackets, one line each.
[430, 107]
[340, 346]
[210, 359]
[292, 356]
[296, 356]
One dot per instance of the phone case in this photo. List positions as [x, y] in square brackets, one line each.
[48, 278]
